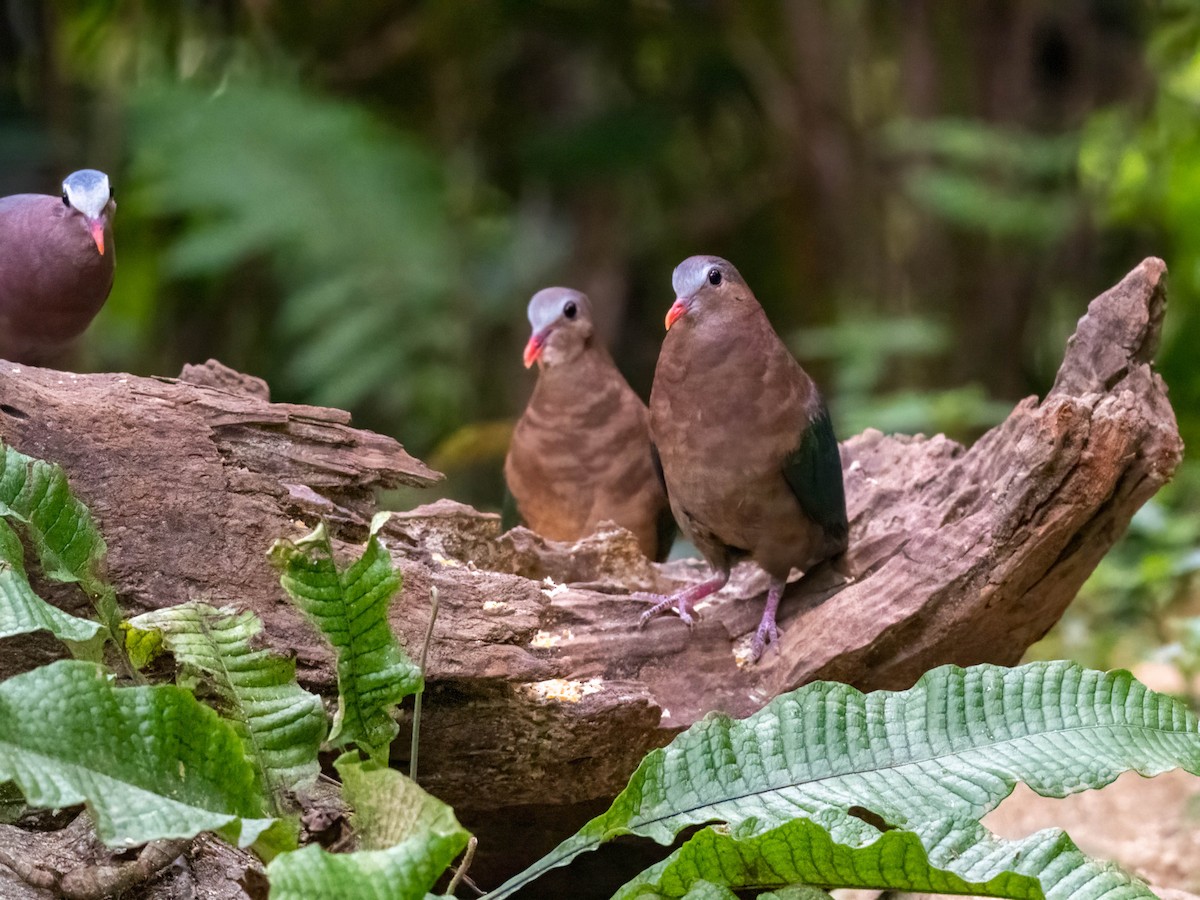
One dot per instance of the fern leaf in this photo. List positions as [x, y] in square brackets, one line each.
[798, 892]
[948, 749]
[389, 807]
[149, 762]
[23, 611]
[349, 605]
[367, 228]
[280, 724]
[35, 494]
[410, 838]
[706, 890]
[969, 860]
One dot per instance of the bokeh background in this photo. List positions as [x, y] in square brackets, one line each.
[355, 200]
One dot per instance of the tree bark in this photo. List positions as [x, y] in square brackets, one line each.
[543, 693]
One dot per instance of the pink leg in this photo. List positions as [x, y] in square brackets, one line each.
[683, 600]
[768, 631]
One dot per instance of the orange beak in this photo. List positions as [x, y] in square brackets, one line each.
[97, 229]
[533, 350]
[678, 308]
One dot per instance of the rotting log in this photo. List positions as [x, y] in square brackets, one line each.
[543, 693]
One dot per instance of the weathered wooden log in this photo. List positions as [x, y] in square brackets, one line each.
[543, 693]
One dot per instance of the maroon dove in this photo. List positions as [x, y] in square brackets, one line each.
[56, 268]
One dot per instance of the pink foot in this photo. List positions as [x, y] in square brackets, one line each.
[682, 601]
[663, 602]
[768, 631]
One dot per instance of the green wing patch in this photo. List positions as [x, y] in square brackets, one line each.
[814, 472]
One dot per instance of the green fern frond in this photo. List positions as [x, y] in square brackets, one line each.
[349, 605]
[947, 750]
[36, 496]
[23, 611]
[149, 762]
[280, 724]
[409, 839]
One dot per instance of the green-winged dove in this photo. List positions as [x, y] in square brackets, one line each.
[748, 452]
[580, 453]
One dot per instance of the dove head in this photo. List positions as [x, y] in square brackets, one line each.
[89, 194]
[562, 326]
[705, 285]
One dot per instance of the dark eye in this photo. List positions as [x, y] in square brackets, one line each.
[714, 276]
[570, 309]
[66, 202]
[110, 192]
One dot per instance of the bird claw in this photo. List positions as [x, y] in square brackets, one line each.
[768, 633]
[663, 602]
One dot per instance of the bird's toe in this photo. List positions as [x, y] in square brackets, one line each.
[661, 604]
[766, 635]
[649, 597]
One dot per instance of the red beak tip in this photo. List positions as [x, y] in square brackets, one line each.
[533, 351]
[678, 308]
[97, 230]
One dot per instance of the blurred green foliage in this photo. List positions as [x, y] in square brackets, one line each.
[1002, 181]
[356, 206]
[1141, 164]
[865, 351]
[353, 221]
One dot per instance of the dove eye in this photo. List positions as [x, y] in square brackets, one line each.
[66, 200]
[570, 309]
[714, 276]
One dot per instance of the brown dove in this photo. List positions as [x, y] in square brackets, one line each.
[580, 453]
[747, 449]
[56, 265]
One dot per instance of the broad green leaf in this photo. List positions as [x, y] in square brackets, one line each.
[801, 852]
[798, 892]
[150, 762]
[349, 605]
[143, 647]
[21, 610]
[706, 890]
[280, 723]
[35, 493]
[949, 748]
[389, 807]
[386, 805]
[404, 872]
